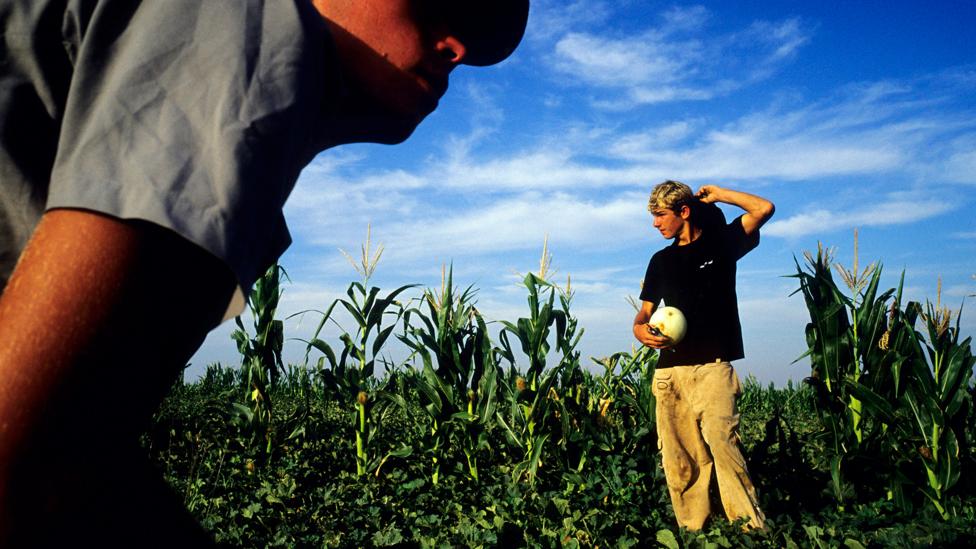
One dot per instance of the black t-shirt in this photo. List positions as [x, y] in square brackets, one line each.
[699, 279]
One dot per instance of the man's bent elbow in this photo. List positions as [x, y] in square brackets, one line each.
[764, 212]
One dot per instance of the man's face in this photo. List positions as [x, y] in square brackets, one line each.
[668, 222]
[396, 53]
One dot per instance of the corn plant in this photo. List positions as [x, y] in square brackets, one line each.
[938, 403]
[883, 389]
[457, 384]
[842, 338]
[932, 409]
[630, 391]
[612, 413]
[533, 401]
[350, 374]
[261, 356]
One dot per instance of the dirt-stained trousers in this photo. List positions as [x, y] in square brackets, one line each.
[697, 426]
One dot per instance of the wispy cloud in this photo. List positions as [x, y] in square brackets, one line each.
[960, 167]
[677, 60]
[551, 18]
[637, 61]
[892, 210]
[519, 222]
[875, 128]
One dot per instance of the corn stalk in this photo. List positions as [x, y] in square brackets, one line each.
[350, 374]
[457, 386]
[261, 356]
[536, 412]
[883, 389]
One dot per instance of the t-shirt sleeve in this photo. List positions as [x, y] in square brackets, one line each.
[650, 289]
[737, 241]
[196, 116]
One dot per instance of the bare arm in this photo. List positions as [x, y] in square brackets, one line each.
[94, 304]
[758, 209]
[643, 333]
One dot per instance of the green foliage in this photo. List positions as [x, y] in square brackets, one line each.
[893, 400]
[531, 417]
[349, 377]
[545, 452]
[307, 496]
[260, 358]
[458, 383]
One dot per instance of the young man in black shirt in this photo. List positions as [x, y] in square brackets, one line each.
[695, 384]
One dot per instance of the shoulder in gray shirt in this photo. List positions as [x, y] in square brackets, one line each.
[196, 115]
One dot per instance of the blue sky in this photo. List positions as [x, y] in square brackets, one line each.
[845, 114]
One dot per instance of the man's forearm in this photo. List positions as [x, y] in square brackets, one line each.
[758, 209]
[79, 325]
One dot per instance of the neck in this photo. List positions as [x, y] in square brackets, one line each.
[689, 233]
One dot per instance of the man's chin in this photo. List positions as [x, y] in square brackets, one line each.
[370, 124]
[396, 129]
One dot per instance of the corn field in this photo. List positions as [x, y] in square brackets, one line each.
[499, 434]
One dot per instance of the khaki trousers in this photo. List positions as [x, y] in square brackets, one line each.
[697, 427]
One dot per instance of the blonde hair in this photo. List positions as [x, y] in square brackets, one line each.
[671, 195]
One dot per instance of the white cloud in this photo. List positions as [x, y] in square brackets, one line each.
[782, 38]
[892, 211]
[541, 169]
[961, 167]
[865, 129]
[518, 223]
[627, 62]
[677, 61]
[635, 145]
[551, 18]
[959, 291]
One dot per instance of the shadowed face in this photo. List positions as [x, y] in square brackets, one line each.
[396, 56]
[669, 222]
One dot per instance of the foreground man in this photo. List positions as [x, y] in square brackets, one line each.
[146, 151]
[695, 384]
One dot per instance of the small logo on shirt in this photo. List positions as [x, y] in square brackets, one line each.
[706, 264]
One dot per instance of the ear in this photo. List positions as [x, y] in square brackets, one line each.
[685, 212]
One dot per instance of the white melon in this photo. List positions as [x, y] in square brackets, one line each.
[670, 322]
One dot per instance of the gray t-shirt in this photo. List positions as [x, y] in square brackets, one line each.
[196, 115]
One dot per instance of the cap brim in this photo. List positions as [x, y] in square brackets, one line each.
[489, 29]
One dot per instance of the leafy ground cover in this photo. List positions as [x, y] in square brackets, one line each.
[307, 492]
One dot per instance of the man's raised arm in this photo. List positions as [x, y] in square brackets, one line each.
[758, 209]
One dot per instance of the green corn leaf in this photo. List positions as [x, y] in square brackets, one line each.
[375, 314]
[381, 339]
[465, 417]
[368, 305]
[325, 349]
[354, 311]
[949, 465]
[538, 445]
[874, 403]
